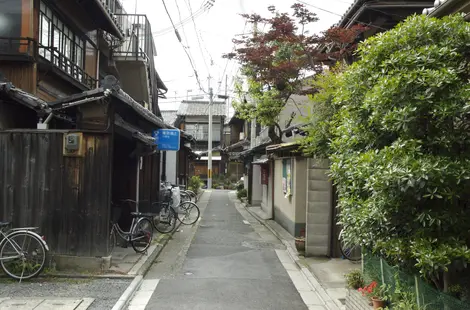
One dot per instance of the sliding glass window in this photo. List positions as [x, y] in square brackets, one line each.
[59, 44]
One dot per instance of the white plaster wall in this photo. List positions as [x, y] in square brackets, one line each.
[171, 166]
[257, 190]
[284, 210]
[264, 198]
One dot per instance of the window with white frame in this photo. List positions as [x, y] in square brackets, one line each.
[59, 44]
[201, 131]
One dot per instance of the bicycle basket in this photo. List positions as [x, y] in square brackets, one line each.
[165, 196]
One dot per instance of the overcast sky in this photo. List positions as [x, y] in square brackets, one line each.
[208, 37]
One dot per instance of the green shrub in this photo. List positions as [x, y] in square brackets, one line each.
[195, 184]
[400, 144]
[354, 279]
[239, 186]
[242, 193]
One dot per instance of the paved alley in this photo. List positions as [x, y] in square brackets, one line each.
[225, 262]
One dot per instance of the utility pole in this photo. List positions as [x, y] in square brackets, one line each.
[226, 95]
[253, 120]
[209, 151]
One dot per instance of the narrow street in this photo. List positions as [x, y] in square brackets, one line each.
[223, 262]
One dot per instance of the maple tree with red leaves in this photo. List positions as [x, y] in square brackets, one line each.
[275, 63]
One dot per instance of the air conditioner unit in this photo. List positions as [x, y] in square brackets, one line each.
[242, 135]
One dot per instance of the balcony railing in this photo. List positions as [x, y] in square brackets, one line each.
[66, 65]
[114, 6]
[18, 47]
[138, 40]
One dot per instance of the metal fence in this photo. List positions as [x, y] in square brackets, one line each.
[427, 297]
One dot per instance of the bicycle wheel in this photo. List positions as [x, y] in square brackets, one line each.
[188, 213]
[22, 255]
[141, 235]
[165, 222]
[192, 194]
[111, 241]
[351, 252]
[184, 196]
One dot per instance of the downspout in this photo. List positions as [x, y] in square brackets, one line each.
[272, 188]
[164, 166]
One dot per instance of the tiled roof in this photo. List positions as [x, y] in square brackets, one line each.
[201, 108]
[169, 116]
[441, 4]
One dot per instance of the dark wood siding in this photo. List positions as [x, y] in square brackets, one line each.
[22, 75]
[67, 197]
[149, 181]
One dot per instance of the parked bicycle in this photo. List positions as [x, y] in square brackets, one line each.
[189, 193]
[22, 252]
[140, 232]
[185, 194]
[349, 251]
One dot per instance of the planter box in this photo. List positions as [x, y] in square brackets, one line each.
[355, 301]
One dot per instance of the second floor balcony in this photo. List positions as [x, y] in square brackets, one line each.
[138, 44]
[17, 49]
[134, 59]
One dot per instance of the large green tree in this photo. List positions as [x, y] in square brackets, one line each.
[401, 147]
[275, 62]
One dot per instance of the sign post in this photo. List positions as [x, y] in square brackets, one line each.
[167, 139]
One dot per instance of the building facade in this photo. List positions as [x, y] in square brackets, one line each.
[193, 118]
[77, 71]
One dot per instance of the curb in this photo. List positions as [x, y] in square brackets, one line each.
[142, 270]
[330, 304]
[128, 293]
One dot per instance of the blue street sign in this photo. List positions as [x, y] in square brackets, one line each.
[167, 139]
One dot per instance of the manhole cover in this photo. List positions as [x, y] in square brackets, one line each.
[205, 226]
[263, 245]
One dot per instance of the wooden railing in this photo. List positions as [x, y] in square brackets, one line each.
[68, 66]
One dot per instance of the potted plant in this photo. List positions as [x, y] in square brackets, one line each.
[377, 294]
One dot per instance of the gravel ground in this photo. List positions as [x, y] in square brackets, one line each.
[105, 291]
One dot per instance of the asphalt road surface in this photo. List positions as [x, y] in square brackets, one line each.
[222, 262]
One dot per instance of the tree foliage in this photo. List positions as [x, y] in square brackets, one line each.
[275, 62]
[401, 145]
[322, 109]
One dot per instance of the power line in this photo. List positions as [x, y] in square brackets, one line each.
[341, 15]
[184, 31]
[197, 36]
[206, 5]
[183, 22]
[186, 52]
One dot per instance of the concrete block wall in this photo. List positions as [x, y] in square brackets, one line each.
[355, 301]
[319, 209]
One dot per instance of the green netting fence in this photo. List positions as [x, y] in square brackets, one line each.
[427, 297]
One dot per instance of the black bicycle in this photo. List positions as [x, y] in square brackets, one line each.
[162, 216]
[140, 232]
[348, 250]
[187, 212]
